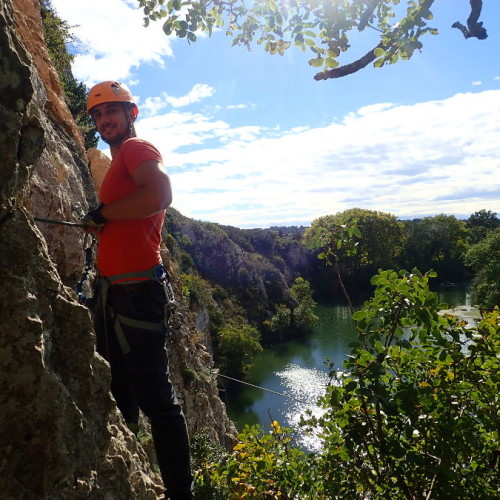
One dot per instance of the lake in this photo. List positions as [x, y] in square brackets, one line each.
[294, 373]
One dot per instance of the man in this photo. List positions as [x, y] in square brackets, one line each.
[131, 294]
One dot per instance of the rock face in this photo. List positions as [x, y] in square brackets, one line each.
[61, 435]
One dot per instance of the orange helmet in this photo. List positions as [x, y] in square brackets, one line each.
[110, 91]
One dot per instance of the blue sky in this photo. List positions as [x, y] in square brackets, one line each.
[252, 140]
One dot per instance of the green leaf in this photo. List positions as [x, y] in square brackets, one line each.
[358, 315]
[350, 386]
[331, 63]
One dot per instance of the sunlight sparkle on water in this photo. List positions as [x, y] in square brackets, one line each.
[306, 385]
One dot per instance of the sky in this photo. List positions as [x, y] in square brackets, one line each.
[250, 139]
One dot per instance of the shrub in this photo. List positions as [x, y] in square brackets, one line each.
[413, 412]
[238, 344]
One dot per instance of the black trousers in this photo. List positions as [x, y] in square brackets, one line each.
[141, 380]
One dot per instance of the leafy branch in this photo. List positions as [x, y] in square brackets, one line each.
[334, 242]
[320, 27]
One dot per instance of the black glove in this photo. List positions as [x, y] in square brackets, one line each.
[95, 217]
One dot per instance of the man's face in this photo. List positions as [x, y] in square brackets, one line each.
[111, 122]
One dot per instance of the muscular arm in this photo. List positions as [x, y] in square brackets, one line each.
[154, 194]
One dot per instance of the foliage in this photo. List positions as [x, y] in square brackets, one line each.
[484, 257]
[303, 317]
[58, 36]
[299, 318]
[480, 224]
[416, 413]
[206, 457]
[262, 466]
[335, 240]
[238, 345]
[195, 290]
[484, 218]
[280, 322]
[323, 28]
[381, 243]
[438, 242]
[76, 98]
[412, 414]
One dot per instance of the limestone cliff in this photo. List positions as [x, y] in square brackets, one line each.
[61, 436]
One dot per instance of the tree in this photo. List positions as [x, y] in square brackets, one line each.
[382, 238]
[238, 345]
[303, 318]
[364, 240]
[322, 27]
[484, 258]
[298, 318]
[480, 224]
[438, 243]
[335, 241]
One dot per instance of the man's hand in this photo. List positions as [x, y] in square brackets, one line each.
[94, 218]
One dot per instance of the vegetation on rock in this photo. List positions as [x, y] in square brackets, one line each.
[58, 36]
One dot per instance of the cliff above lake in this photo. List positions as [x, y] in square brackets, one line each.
[61, 435]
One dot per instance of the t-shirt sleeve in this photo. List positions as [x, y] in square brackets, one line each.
[138, 151]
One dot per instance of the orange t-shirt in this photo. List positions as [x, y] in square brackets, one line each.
[128, 245]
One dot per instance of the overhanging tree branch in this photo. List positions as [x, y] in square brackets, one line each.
[322, 28]
[474, 28]
[348, 69]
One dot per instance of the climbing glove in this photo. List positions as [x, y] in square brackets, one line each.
[94, 217]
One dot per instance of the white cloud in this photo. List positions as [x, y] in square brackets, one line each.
[153, 105]
[113, 37]
[423, 159]
[199, 92]
[240, 106]
[476, 83]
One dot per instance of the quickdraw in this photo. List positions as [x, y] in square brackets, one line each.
[89, 266]
[89, 249]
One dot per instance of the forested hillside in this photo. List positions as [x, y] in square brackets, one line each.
[260, 283]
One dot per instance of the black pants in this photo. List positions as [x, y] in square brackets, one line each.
[140, 379]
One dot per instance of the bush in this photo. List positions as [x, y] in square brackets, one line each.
[413, 413]
[238, 344]
[262, 466]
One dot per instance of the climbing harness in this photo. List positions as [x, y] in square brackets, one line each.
[157, 273]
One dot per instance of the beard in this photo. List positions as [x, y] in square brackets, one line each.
[117, 140]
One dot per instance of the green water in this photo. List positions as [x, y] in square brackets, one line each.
[297, 369]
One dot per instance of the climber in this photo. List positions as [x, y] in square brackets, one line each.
[130, 298]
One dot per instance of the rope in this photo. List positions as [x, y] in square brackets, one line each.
[264, 389]
[88, 255]
[61, 222]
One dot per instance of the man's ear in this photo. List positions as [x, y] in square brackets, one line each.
[131, 115]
